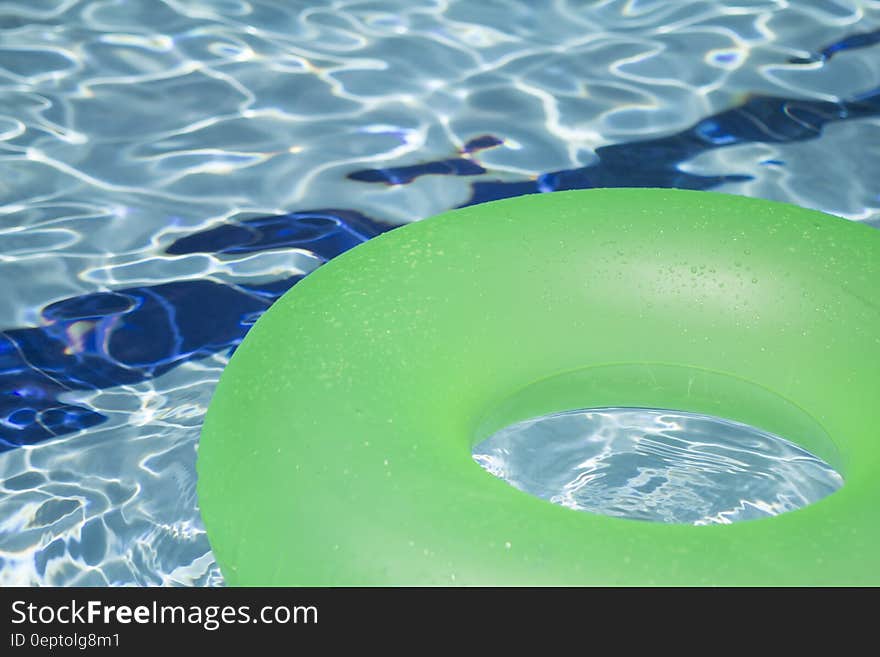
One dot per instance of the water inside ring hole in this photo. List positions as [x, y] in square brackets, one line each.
[657, 465]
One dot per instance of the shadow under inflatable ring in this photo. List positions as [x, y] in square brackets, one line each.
[336, 450]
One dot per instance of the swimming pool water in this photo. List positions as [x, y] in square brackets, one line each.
[168, 169]
[657, 465]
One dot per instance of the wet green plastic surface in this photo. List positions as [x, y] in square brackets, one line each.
[336, 450]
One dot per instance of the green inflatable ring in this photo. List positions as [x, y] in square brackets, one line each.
[336, 450]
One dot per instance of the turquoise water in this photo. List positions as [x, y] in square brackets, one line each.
[137, 137]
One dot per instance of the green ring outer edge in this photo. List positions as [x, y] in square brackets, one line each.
[316, 365]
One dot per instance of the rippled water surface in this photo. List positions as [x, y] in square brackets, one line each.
[663, 466]
[169, 168]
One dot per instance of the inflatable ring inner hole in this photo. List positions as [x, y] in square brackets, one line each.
[643, 392]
